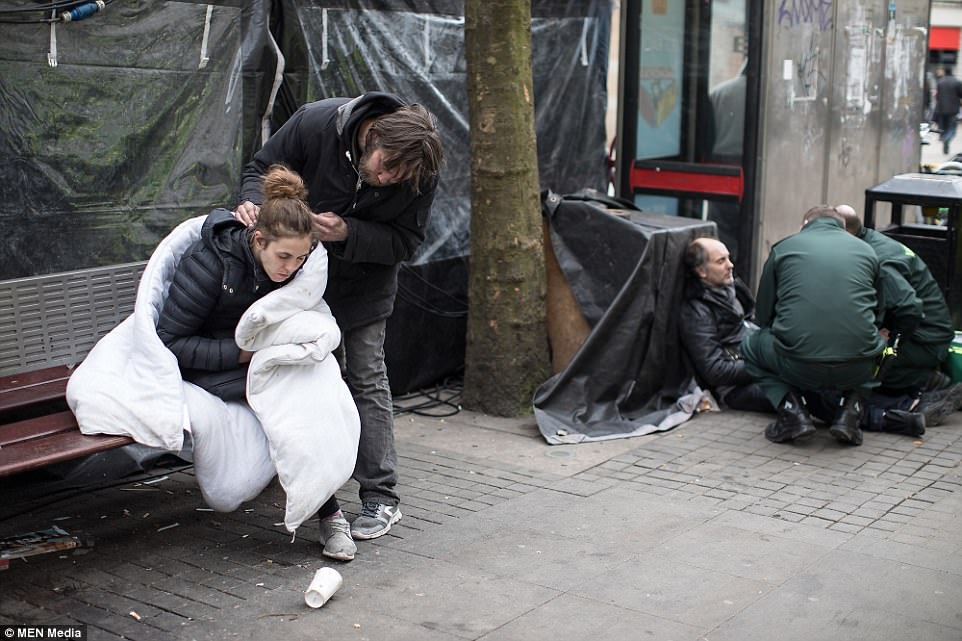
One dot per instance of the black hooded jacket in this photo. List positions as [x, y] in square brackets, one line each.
[711, 330]
[216, 280]
[385, 224]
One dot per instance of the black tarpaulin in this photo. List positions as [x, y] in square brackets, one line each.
[115, 128]
[625, 271]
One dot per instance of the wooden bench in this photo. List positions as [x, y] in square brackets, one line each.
[37, 429]
[48, 323]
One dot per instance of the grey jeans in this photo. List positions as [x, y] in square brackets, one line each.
[362, 361]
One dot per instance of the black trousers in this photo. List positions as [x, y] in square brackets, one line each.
[749, 398]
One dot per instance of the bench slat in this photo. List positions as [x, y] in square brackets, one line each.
[39, 427]
[30, 388]
[63, 446]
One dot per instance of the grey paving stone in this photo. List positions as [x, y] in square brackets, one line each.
[342, 618]
[443, 596]
[827, 514]
[776, 527]
[804, 618]
[674, 590]
[736, 503]
[580, 488]
[816, 521]
[761, 510]
[846, 527]
[799, 508]
[851, 581]
[868, 513]
[741, 552]
[852, 519]
[572, 618]
[910, 539]
[894, 518]
[720, 494]
[544, 558]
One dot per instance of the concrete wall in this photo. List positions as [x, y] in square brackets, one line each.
[841, 104]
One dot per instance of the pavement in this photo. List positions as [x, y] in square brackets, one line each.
[931, 154]
[704, 532]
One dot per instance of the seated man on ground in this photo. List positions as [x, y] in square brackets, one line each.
[817, 301]
[715, 316]
[914, 377]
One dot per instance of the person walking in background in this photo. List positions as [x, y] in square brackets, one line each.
[371, 165]
[948, 97]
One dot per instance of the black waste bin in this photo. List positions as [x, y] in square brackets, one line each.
[926, 218]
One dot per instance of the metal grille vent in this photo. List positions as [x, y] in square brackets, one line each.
[57, 318]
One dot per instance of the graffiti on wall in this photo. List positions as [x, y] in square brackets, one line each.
[792, 13]
[802, 72]
[806, 87]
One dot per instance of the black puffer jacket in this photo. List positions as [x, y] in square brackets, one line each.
[216, 281]
[385, 224]
[712, 330]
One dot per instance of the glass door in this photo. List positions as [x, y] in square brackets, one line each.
[686, 137]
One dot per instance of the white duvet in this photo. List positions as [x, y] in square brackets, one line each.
[301, 423]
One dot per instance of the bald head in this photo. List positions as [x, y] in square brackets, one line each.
[853, 224]
[708, 260]
[822, 211]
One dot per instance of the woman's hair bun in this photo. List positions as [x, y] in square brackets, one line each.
[281, 182]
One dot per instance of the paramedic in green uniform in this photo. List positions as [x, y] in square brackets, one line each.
[920, 355]
[817, 307]
[915, 374]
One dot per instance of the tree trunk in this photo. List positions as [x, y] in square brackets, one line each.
[507, 346]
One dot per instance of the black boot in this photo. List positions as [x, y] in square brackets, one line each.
[845, 427]
[793, 421]
[902, 422]
[937, 381]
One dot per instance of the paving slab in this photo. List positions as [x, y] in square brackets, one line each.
[785, 617]
[742, 553]
[572, 618]
[662, 587]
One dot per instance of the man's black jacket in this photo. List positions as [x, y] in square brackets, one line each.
[385, 224]
[711, 331]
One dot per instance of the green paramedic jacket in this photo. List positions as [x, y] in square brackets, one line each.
[936, 323]
[820, 293]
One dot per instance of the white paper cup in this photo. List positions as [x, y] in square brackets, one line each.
[326, 582]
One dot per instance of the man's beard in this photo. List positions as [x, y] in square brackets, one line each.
[364, 172]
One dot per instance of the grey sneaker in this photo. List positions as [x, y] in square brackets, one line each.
[375, 520]
[336, 537]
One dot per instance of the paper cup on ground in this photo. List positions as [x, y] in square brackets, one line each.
[326, 582]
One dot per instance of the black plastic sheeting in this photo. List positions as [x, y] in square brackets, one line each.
[130, 133]
[425, 337]
[625, 271]
[154, 106]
